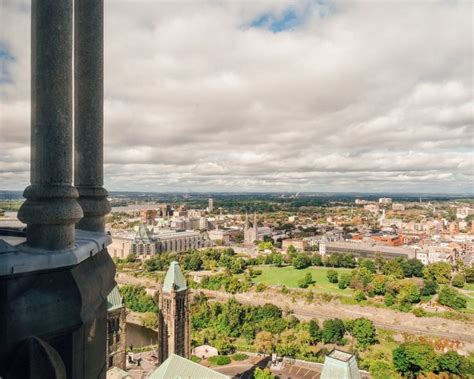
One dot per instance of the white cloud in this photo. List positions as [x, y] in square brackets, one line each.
[356, 96]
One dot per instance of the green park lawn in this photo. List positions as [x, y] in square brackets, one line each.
[469, 287]
[289, 276]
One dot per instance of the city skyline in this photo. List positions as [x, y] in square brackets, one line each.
[294, 96]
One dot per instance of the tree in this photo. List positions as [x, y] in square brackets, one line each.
[150, 320]
[361, 277]
[344, 280]
[305, 281]
[316, 260]
[314, 332]
[409, 292]
[416, 267]
[412, 358]
[368, 264]
[377, 285]
[359, 296]
[247, 331]
[393, 267]
[264, 342]
[440, 272]
[430, 287]
[363, 330]
[469, 273]
[291, 250]
[136, 298]
[332, 276]
[458, 280]
[193, 262]
[451, 298]
[288, 344]
[333, 331]
[389, 299]
[263, 373]
[130, 258]
[300, 261]
[451, 362]
[277, 259]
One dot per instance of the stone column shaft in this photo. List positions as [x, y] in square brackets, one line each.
[50, 210]
[89, 112]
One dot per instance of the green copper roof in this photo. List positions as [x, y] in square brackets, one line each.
[176, 367]
[174, 279]
[114, 300]
[339, 364]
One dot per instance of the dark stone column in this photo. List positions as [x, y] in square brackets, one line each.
[51, 210]
[89, 112]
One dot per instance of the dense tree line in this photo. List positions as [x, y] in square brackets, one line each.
[268, 330]
[414, 358]
[136, 298]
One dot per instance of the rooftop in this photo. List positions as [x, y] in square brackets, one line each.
[176, 367]
[174, 279]
[341, 355]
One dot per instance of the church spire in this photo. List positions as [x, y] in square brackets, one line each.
[173, 315]
[174, 279]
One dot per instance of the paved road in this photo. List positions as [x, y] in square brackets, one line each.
[320, 313]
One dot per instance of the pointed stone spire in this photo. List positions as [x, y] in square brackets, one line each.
[174, 279]
[246, 221]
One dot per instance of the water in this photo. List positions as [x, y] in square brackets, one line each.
[139, 336]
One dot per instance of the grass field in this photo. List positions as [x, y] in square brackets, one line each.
[469, 286]
[289, 277]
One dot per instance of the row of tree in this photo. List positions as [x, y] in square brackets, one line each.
[415, 358]
[268, 330]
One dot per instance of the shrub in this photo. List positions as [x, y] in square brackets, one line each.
[305, 281]
[388, 299]
[239, 357]
[301, 261]
[261, 287]
[149, 320]
[409, 292]
[419, 312]
[451, 298]
[332, 276]
[430, 287]
[219, 360]
[344, 280]
[195, 359]
[458, 281]
[263, 373]
[405, 306]
[359, 296]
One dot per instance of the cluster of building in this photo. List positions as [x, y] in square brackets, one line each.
[429, 239]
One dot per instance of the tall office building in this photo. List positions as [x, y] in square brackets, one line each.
[210, 206]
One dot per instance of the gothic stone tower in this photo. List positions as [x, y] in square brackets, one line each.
[173, 316]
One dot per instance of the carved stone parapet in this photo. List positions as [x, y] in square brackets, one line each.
[50, 211]
[95, 206]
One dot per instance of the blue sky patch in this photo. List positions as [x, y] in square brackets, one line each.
[288, 20]
[6, 58]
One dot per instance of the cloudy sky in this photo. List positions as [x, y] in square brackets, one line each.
[269, 95]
